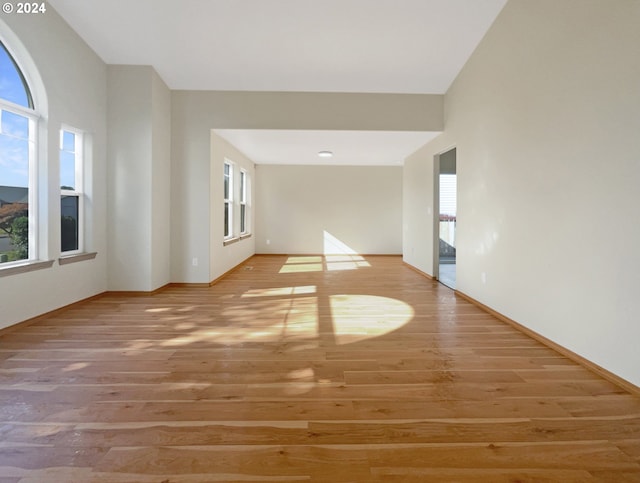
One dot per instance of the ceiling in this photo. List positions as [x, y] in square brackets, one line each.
[301, 147]
[381, 46]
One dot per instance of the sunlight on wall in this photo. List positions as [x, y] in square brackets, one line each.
[340, 256]
[333, 246]
[353, 324]
[337, 256]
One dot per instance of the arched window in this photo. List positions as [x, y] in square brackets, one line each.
[18, 182]
[13, 87]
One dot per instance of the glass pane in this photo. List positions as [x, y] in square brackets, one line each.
[68, 141]
[14, 230]
[67, 160]
[227, 181]
[243, 210]
[67, 170]
[69, 223]
[14, 125]
[243, 186]
[14, 187]
[226, 219]
[14, 152]
[12, 85]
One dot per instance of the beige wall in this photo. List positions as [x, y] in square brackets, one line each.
[195, 113]
[161, 182]
[306, 110]
[139, 178]
[418, 209]
[74, 97]
[129, 157]
[224, 258]
[303, 209]
[545, 120]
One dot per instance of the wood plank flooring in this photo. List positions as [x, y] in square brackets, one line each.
[303, 369]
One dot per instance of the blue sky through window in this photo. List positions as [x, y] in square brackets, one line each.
[14, 150]
[68, 160]
[14, 128]
[12, 87]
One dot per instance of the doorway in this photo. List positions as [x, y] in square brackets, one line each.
[446, 193]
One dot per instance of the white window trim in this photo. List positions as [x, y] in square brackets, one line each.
[230, 199]
[39, 188]
[244, 201]
[78, 188]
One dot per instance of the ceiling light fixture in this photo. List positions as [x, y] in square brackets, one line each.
[325, 154]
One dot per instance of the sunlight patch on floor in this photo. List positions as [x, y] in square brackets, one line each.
[302, 264]
[345, 262]
[360, 317]
[279, 291]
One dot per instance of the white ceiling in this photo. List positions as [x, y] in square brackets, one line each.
[375, 46]
[398, 46]
[302, 147]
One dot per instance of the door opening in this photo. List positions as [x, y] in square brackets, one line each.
[446, 232]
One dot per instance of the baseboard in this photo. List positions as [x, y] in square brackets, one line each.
[51, 313]
[228, 272]
[138, 293]
[415, 269]
[188, 285]
[116, 293]
[586, 363]
[364, 255]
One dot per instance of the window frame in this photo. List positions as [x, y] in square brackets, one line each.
[227, 193]
[33, 119]
[78, 190]
[244, 202]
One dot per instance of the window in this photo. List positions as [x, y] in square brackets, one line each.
[228, 199]
[71, 192]
[18, 176]
[244, 215]
[237, 203]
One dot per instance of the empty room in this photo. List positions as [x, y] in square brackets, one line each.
[336, 241]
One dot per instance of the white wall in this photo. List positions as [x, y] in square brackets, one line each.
[139, 178]
[160, 182]
[418, 209]
[75, 97]
[360, 206]
[545, 120]
[129, 155]
[224, 258]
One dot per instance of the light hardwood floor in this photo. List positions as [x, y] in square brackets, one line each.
[303, 369]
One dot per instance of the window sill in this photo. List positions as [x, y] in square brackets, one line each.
[231, 241]
[78, 257]
[30, 266]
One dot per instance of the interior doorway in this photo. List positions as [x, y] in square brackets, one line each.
[446, 192]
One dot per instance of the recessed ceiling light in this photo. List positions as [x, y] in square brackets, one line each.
[325, 154]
